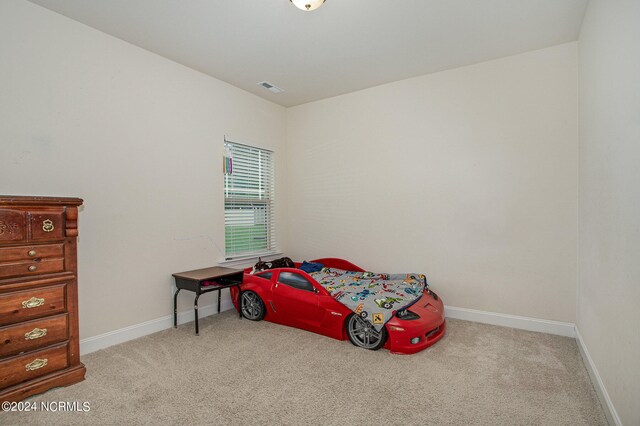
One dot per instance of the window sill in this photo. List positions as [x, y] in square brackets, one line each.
[246, 262]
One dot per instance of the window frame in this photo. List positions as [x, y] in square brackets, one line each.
[249, 202]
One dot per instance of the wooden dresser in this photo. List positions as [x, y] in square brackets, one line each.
[39, 344]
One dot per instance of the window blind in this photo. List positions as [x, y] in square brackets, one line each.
[249, 219]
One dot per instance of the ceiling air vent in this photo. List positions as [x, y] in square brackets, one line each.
[270, 87]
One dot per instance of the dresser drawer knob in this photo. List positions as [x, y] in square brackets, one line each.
[32, 268]
[34, 302]
[36, 363]
[36, 333]
[47, 225]
[32, 253]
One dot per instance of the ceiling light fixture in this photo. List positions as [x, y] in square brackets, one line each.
[307, 5]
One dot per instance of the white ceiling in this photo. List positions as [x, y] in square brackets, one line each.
[344, 46]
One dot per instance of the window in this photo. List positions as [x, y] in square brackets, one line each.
[249, 220]
[295, 280]
[265, 275]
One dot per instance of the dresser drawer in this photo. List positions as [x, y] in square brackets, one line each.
[31, 267]
[12, 226]
[46, 225]
[33, 364]
[27, 336]
[34, 303]
[30, 252]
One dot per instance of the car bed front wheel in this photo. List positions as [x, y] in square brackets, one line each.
[251, 306]
[362, 334]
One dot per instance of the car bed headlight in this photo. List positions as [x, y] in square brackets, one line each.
[407, 315]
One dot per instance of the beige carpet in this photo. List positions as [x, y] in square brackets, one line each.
[241, 372]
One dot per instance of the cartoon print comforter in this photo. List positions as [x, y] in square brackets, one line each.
[374, 297]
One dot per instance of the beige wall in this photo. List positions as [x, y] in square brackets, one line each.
[137, 136]
[469, 175]
[609, 201]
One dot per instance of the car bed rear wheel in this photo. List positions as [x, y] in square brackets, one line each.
[362, 334]
[251, 306]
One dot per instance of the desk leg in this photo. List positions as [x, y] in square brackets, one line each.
[175, 309]
[239, 307]
[195, 309]
[219, 295]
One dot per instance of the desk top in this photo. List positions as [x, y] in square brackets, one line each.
[207, 273]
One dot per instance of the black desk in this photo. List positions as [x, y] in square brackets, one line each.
[194, 281]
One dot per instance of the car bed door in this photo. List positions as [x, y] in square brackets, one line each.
[296, 302]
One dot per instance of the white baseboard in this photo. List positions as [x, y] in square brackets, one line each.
[122, 335]
[607, 405]
[513, 321]
[101, 341]
[544, 326]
